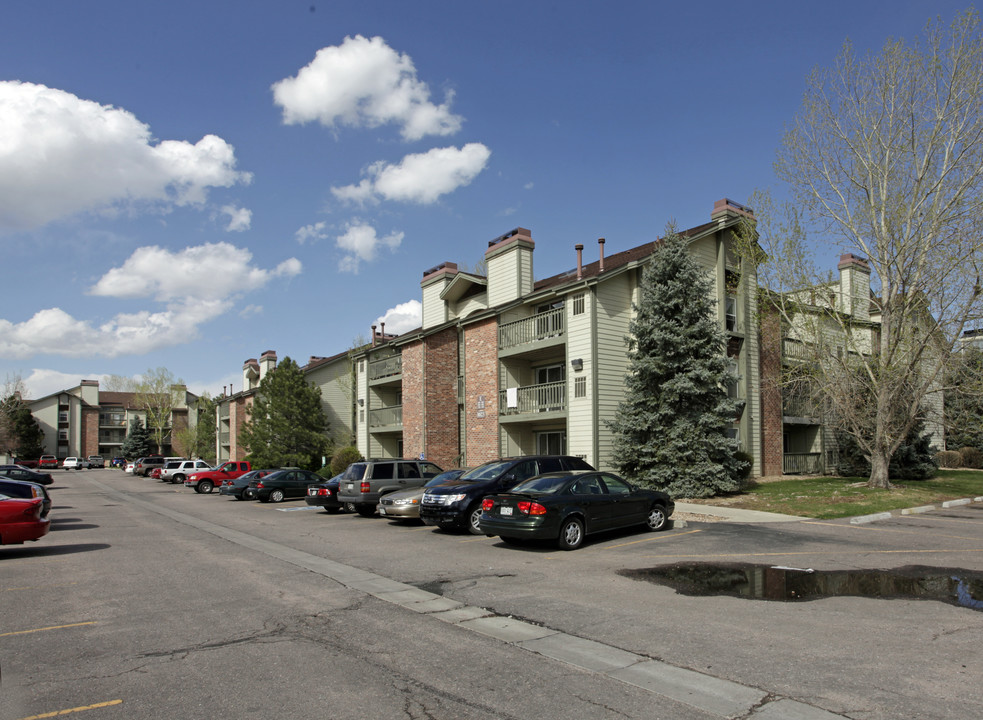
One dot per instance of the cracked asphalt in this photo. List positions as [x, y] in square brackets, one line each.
[190, 624]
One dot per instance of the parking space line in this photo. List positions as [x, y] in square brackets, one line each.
[37, 587]
[69, 711]
[881, 528]
[50, 627]
[817, 553]
[649, 539]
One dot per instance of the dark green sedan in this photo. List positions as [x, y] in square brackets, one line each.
[566, 507]
[282, 485]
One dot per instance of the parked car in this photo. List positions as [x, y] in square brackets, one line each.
[118, 462]
[144, 465]
[204, 481]
[96, 461]
[239, 487]
[177, 471]
[75, 463]
[566, 507]
[29, 464]
[18, 472]
[48, 462]
[363, 483]
[129, 467]
[459, 504]
[283, 485]
[21, 521]
[21, 489]
[325, 494]
[405, 505]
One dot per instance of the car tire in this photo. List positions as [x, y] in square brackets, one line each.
[276, 495]
[205, 486]
[571, 535]
[349, 507]
[177, 479]
[365, 510]
[474, 515]
[657, 518]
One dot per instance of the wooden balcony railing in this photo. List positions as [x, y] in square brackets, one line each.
[532, 329]
[548, 397]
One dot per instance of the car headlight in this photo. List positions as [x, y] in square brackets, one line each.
[192, 477]
[451, 499]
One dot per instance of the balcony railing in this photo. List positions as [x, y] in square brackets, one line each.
[383, 417]
[548, 324]
[802, 464]
[799, 406]
[548, 397]
[386, 367]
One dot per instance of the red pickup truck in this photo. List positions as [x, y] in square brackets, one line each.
[204, 481]
[48, 462]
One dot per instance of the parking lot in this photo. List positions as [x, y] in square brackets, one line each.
[171, 580]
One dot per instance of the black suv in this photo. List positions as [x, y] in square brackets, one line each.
[364, 482]
[459, 503]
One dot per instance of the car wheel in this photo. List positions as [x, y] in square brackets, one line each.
[365, 510]
[276, 495]
[350, 507]
[177, 479]
[205, 486]
[571, 535]
[657, 519]
[474, 516]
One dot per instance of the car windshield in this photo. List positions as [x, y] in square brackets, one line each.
[544, 484]
[486, 471]
[442, 478]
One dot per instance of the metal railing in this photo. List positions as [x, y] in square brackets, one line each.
[392, 415]
[548, 397]
[387, 367]
[802, 464]
[532, 329]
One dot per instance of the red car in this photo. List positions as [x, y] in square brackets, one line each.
[20, 520]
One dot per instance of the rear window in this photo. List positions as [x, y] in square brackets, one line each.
[543, 484]
[575, 463]
[355, 471]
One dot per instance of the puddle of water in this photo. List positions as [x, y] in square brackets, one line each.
[763, 582]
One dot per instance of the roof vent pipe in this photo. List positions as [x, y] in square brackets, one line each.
[580, 261]
[373, 336]
[600, 265]
[382, 331]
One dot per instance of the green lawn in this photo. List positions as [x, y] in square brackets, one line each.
[836, 497]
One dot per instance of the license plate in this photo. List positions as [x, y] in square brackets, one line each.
[505, 511]
[312, 491]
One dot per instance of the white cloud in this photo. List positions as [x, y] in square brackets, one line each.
[313, 232]
[402, 318]
[239, 218]
[60, 155]
[195, 286]
[364, 82]
[360, 242]
[421, 178]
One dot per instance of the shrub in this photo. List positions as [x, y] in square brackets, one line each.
[949, 459]
[748, 460]
[971, 457]
[343, 458]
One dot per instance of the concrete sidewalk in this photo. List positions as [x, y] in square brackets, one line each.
[736, 515]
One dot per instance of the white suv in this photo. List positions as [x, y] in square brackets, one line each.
[75, 463]
[177, 471]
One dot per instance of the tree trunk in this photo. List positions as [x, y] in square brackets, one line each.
[879, 462]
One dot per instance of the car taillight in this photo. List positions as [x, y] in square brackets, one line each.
[259, 485]
[366, 487]
[526, 507]
[323, 491]
[34, 511]
[487, 504]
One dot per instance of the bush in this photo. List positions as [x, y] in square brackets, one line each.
[343, 458]
[971, 457]
[949, 459]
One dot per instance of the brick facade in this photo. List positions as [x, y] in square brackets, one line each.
[238, 414]
[89, 432]
[414, 419]
[771, 394]
[481, 392]
[442, 435]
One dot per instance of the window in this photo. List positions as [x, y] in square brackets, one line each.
[580, 387]
[731, 313]
[616, 486]
[382, 471]
[578, 304]
[588, 486]
[408, 470]
[551, 443]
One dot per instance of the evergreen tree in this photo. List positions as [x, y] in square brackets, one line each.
[964, 401]
[286, 426]
[913, 460]
[670, 430]
[138, 442]
[26, 436]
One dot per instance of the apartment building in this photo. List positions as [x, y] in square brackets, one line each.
[83, 420]
[506, 365]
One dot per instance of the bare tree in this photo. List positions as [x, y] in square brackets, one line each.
[157, 395]
[885, 160]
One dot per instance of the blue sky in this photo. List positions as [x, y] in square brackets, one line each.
[190, 184]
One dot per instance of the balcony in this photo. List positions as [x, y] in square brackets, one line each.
[802, 464]
[385, 370]
[533, 400]
[543, 330]
[386, 419]
[800, 406]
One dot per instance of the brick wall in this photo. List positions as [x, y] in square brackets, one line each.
[481, 383]
[442, 438]
[771, 394]
[414, 418]
[89, 434]
[238, 414]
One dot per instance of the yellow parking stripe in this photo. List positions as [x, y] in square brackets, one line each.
[51, 627]
[69, 711]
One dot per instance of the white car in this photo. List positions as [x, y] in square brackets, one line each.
[75, 463]
[177, 471]
[129, 467]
